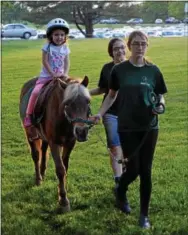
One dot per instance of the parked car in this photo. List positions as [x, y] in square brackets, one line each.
[154, 33]
[71, 36]
[135, 21]
[109, 21]
[17, 31]
[41, 33]
[172, 20]
[158, 21]
[185, 20]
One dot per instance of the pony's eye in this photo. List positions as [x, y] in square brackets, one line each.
[66, 107]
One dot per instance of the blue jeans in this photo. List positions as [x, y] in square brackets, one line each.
[110, 123]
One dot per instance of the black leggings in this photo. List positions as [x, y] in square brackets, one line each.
[140, 164]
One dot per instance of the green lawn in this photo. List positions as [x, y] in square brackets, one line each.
[31, 210]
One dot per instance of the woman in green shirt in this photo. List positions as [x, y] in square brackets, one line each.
[140, 87]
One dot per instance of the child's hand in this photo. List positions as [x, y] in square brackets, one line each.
[64, 77]
[57, 75]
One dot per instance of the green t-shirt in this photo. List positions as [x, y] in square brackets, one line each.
[134, 110]
[104, 82]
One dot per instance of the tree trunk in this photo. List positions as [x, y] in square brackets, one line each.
[89, 28]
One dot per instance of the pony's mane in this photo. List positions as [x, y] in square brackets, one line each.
[75, 90]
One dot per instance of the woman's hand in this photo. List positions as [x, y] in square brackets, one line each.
[95, 118]
[159, 109]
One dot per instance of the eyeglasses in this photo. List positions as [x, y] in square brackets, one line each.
[118, 48]
[137, 44]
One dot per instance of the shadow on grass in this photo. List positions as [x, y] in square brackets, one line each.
[181, 232]
[85, 217]
[50, 218]
[88, 211]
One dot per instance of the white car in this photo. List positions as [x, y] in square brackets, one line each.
[158, 21]
[135, 21]
[17, 31]
[41, 33]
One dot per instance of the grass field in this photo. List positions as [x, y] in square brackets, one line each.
[31, 210]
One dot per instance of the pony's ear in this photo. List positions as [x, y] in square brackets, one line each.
[85, 81]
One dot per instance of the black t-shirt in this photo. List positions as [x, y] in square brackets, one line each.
[134, 112]
[104, 82]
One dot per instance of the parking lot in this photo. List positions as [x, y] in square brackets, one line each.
[152, 30]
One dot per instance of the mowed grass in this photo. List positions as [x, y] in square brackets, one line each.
[31, 210]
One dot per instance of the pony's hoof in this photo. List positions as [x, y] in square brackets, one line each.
[38, 182]
[43, 177]
[65, 209]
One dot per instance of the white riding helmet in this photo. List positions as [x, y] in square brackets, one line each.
[57, 23]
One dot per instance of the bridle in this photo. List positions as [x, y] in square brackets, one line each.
[78, 119]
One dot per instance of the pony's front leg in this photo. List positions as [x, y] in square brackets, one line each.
[61, 174]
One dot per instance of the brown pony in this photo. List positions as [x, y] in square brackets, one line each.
[62, 110]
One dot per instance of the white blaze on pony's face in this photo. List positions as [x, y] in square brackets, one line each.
[76, 101]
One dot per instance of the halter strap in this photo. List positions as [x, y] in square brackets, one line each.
[78, 119]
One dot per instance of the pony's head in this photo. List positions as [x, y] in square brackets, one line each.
[77, 108]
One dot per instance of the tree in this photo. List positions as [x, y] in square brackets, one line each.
[122, 10]
[176, 9]
[153, 10]
[10, 11]
[87, 14]
[83, 14]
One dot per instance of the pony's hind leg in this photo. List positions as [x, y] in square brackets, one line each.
[36, 153]
[45, 158]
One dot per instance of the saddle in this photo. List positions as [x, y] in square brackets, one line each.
[39, 107]
[42, 99]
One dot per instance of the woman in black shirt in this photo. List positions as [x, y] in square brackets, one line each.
[116, 50]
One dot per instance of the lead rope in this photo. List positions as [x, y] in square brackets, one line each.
[121, 160]
[118, 159]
